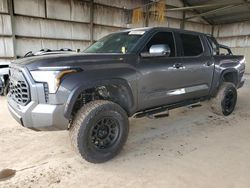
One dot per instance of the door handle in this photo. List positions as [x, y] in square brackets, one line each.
[178, 66]
[209, 63]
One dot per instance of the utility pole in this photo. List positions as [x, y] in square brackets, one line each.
[91, 21]
[182, 25]
[11, 13]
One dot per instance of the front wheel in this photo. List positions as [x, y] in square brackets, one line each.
[99, 131]
[225, 100]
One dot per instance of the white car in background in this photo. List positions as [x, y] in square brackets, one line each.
[4, 78]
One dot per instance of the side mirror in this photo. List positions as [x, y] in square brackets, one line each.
[158, 50]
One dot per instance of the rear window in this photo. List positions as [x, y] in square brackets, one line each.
[191, 45]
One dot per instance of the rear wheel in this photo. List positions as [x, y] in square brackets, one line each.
[99, 131]
[225, 100]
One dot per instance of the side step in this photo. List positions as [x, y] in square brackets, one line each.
[158, 115]
[154, 113]
[190, 106]
[163, 111]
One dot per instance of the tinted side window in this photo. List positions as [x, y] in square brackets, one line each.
[162, 38]
[191, 45]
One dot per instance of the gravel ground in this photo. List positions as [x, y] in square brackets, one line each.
[190, 148]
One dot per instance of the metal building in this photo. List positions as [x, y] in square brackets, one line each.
[30, 25]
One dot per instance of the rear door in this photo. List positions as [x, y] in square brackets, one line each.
[198, 64]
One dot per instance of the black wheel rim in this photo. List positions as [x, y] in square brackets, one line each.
[229, 101]
[104, 133]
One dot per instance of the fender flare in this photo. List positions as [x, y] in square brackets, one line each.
[69, 105]
[229, 70]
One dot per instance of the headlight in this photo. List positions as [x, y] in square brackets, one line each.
[51, 77]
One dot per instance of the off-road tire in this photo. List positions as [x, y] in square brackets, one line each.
[84, 126]
[220, 104]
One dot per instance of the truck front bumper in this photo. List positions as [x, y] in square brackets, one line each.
[39, 116]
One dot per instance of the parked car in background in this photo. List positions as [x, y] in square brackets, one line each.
[4, 78]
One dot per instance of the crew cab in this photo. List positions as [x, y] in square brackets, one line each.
[131, 73]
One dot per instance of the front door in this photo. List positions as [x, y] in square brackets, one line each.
[160, 79]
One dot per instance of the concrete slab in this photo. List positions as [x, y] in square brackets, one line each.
[24, 7]
[6, 47]
[4, 6]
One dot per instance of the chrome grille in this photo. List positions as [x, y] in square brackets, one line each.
[19, 88]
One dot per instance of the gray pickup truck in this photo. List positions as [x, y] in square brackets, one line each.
[137, 72]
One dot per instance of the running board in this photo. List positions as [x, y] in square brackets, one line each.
[159, 111]
[159, 115]
[150, 113]
[190, 106]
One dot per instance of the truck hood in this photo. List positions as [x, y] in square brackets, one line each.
[81, 60]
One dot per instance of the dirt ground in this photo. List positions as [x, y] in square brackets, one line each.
[190, 148]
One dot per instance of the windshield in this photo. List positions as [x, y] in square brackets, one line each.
[123, 42]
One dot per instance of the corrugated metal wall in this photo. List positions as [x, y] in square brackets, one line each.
[63, 23]
[6, 42]
[174, 19]
[236, 36]
[56, 24]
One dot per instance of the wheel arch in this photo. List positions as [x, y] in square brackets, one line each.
[120, 90]
[229, 75]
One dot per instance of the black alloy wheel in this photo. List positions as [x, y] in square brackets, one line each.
[105, 133]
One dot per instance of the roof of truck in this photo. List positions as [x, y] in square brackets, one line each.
[163, 28]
